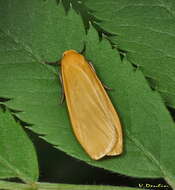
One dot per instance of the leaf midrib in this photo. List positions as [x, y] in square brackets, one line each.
[26, 48]
[18, 173]
[23, 45]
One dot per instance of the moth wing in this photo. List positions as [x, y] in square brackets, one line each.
[118, 147]
[89, 109]
[94, 119]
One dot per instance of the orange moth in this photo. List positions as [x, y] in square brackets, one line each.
[94, 119]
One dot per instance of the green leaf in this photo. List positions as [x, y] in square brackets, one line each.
[35, 91]
[34, 88]
[48, 186]
[81, 187]
[17, 154]
[145, 30]
[39, 30]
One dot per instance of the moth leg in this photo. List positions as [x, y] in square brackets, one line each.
[62, 90]
[61, 81]
[90, 63]
[52, 63]
[105, 86]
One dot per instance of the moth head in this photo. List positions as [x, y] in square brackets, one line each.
[69, 52]
[72, 56]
